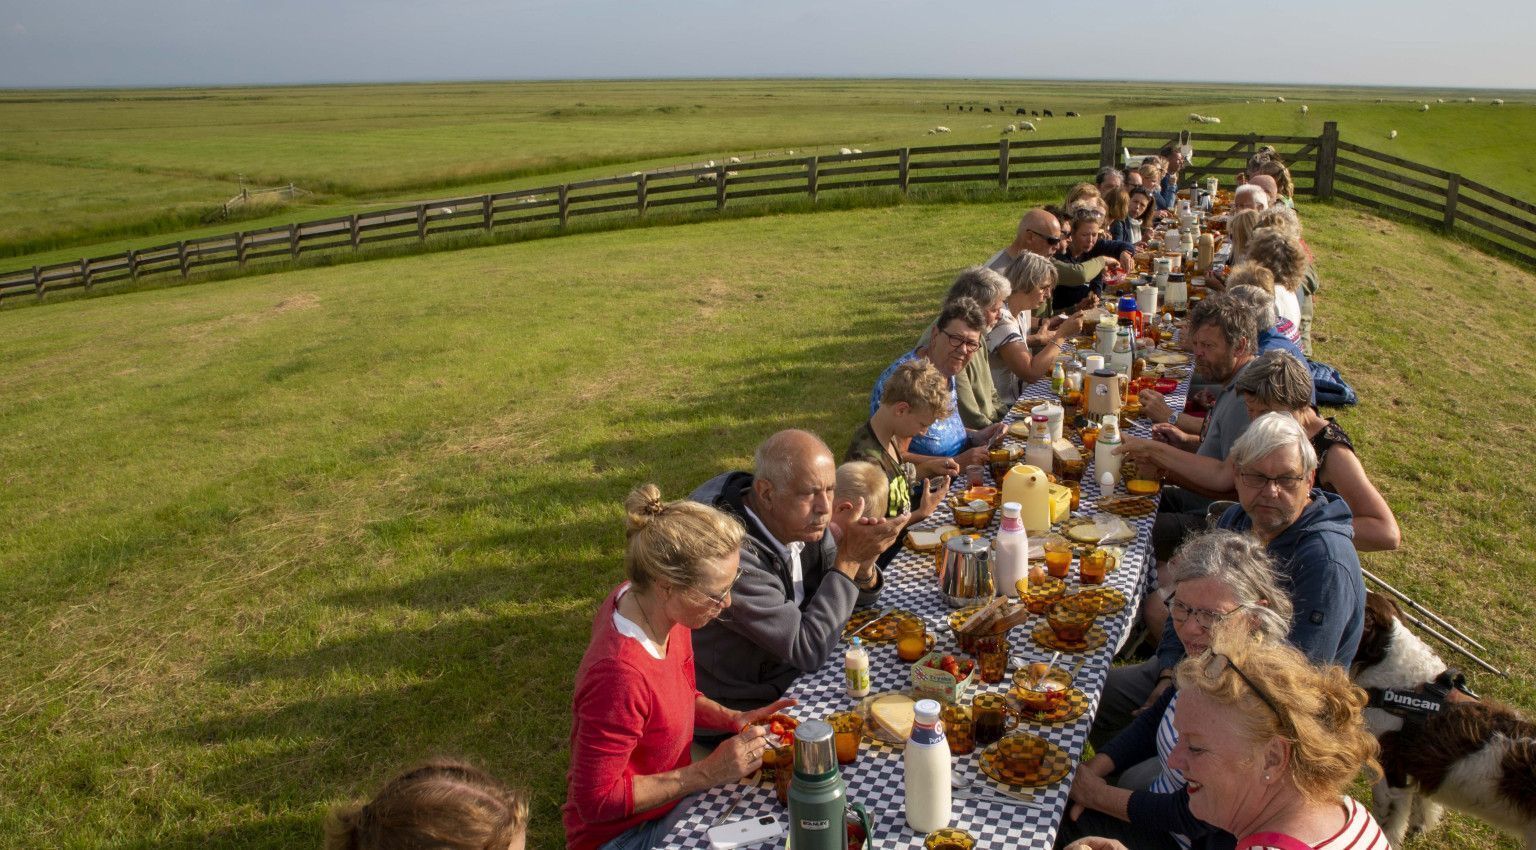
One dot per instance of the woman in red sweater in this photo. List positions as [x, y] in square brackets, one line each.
[635, 706]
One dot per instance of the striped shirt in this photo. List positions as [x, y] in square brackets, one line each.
[1360, 832]
[1169, 780]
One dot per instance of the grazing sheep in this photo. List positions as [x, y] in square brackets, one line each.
[1279, 100]
[705, 179]
[710, 164]
[1047, 113]
[942, 129]
[1211, 119]
[856, 150]
[931, 131]
[1471, 100]
[1027, 126]
[1439, 100]
[1423, 107]
[1303, 109]
[1020, 111]
[1011, 128]
[845, 151]
[1392, 134]
[1498, 101]
[1195, 117]
[1073, 115]
[790, 153]
[734, 160]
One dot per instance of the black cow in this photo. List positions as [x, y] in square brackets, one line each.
[1048, 114]
[986, 109]
[1020, 111]
[1073, 115]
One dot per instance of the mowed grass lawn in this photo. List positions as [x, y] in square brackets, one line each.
[267, 540]
[89, 173]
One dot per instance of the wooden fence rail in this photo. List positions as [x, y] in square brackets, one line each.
[1322, 167]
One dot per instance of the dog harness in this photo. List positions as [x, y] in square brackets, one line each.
[1429, 698]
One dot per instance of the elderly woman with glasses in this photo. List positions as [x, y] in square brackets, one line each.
[635, 705]
[1086, 243]
[1219, 577]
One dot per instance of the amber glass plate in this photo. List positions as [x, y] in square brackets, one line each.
[1128, 506]
[1025, 761]
[1102, 599]
[1094, 639]
[881, 632]
[1071, 707]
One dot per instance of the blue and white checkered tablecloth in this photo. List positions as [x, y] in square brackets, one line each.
[875, 779]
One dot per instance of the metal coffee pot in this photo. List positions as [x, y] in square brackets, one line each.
[966, 578]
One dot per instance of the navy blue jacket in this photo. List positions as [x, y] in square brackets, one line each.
[1317, 563]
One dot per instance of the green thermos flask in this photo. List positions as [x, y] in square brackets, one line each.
[818, 801]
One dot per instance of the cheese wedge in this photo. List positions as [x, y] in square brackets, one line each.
[894, 713]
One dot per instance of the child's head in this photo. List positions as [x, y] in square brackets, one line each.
[859, 479]
[914, 396]
[441, 803]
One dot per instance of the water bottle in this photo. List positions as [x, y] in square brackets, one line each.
[925, 765]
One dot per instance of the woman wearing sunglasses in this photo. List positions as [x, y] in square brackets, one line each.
[635, 705]
[1219, 578]
[1268, 743]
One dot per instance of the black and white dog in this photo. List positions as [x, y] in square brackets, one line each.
[1440, 746]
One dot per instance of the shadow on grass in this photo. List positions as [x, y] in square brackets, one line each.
[479, 681]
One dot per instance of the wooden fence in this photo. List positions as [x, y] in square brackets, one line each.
[1323, 167]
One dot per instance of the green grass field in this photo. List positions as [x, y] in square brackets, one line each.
[268, 539]
[96, 172]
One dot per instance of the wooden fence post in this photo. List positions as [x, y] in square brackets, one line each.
[1109, 143]
[354, 232]
[641, 201]
[1002, 165]
[181, 257]
[1327, 160]
[133, 265]
[720, 179]
[810, 178]
[565, 205]
[488, 212]
[85, 272]
[293, 239]
[37, 281]
[1452, 193]
[904, 166]
[240, 249]
[421, 221]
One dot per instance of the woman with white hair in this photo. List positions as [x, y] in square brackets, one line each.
[1249, 197]
[1013, 361]
[1219, 578]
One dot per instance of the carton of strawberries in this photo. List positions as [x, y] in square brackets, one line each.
[942, 676]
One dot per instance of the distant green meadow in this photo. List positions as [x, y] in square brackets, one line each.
[94, 172]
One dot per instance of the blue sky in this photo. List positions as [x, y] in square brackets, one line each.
[216, 42]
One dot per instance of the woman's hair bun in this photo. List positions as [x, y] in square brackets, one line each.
[642, 503]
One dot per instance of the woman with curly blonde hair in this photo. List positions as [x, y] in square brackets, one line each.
[1282, 253]
[1268, 743]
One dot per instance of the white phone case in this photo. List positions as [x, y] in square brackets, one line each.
[744, 832]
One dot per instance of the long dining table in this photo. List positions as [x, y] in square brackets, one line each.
[875, 779]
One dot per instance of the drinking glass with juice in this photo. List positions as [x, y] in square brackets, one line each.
[911, 640]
